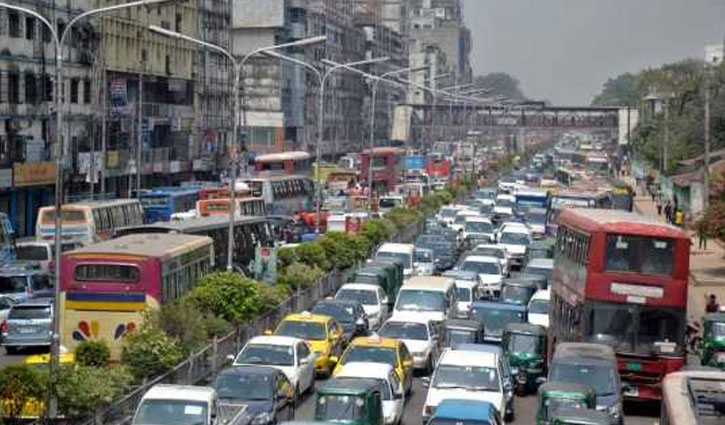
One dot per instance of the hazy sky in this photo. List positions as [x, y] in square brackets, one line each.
[564, 50]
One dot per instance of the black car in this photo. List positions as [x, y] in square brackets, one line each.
[267, 393]
[348, 313]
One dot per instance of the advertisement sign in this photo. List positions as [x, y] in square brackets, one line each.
[265, 264]
[34, 174]
[414, 162]
[119, 97]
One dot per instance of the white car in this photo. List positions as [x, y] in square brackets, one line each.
[424, 262]
[460, 221]
[42, 252]
[293, 356]
[392, 392]
[372, 298]
[447, 215]
[401, 251]
[477, 226]
[468, 292]
[539, 308]
[177, 404]
[489, 272]
[498, 251]
[516, 240]
[419, 337]
[5, 304]
[504, 205]
[510, 225]
[467, 375]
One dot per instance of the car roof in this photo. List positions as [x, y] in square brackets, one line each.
[427, 282]
[481, 259]
[477, 219]
[542, 263]
[462, 357]
[333, 301]
[465, 409]
[306, 316]
[498, 305]
[250, 370]
[408, 317]
[349, 386]
[396, 247]
[365, 370]
[462, 324]
[461, 274]
[584, 351]
[490, 246]
[375, 341]
[484, 348]
[566, 387]
[363, 286]
[516, 229]
[527, 328]
[179, 392]
[274, 340]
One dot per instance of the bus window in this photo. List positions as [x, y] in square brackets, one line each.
[639, 255]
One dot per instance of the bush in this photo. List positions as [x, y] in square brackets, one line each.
[149, 352]
[375, 232]
[339, 250]
[228, 295]
[93, 353]
[84, 389]
[215, 326]
[272, 296]
[285, 257]
[314, 255]
[361, 246]
[18, 385]
[182, 321]
[299, 275]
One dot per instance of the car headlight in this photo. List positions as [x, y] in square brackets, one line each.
[613, 411]
[262, 419]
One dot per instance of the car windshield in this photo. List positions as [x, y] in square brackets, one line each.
[29, 312]
[171, 412]
[242, 386]
[418, 300]
[643, 255]
[481, 267]
[341, 313]
[718, 329]
[601, 378]
[267, 354]
[448, 212]
[464, 294]
[402, 256]
[32, 252]
[511, 238]
[370, 354]
[390, 203]
[339, 408]
[383, 387]
[423, 256]
[363, 296]
[522, 343]
[494, 319]
[539, 306]
[12, 284]
[304, 330]
[516, 294]
[554, 404]
[490, 252]
[471, 378]
[543, 271]
[459, 336]
[403, 330]
[639, 329]
[504, 202]
[479, 227]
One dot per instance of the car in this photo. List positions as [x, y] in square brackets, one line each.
[498, 251]
[541, 266]
[467, 291]
[447, 215]
[513, 223]
[461, 411]
[516, 240]
[424, 261]
[22, 280]
[179, 404]
[293, 356]
[477, 230]
[5, 304]
[517, 291]
[430, 297]
[489, 272]
[349, 402]
[469, 375]
[376, 349]
[321, 332]
[460, 221]
[29, 324]
[495, 316]
[504, 205]
[508, 376]
[536, 219]
[392, 393]
[348, 314]
[419, 336]
[461, 331]
[401, 251]
[267, 393]
[41, 252]
[538, 311]
[372, 298]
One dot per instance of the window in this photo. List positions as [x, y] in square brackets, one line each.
[14, 24]
[178, 22]
[31, 90]
[30, 28]
[74, 90]
[13, 88]
[639, 254]
[86, 91]
[47, 87]
[110, 272]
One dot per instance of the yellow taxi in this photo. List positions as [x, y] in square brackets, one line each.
[376, 349]
[323, 333]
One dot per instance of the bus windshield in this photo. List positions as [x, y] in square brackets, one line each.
[639, 254]
[155, 201]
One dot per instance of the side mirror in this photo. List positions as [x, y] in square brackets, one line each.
[334, 359]
[425, 381]
[304, 361]
[625, 387]
[507, 386]
[360, 322]
[230, 357]
[398, 396]
[385, 300]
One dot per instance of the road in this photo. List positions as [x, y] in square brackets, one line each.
[7, 360]
[525, 409]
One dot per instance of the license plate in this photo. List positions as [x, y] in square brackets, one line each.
[26, 330]
[635, 367]
[631, 392]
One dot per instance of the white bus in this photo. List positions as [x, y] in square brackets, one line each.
[283, 195]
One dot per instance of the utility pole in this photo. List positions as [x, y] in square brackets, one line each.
[706, 156]
[139, 131]
[666, 142]
[104, 102]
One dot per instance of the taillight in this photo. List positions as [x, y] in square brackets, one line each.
[4, 326]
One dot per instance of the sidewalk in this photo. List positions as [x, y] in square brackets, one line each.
[707, 267]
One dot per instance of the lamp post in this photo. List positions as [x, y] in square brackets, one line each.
[58, 40]
[237, 69]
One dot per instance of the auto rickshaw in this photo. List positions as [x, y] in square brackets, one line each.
[712, 347]
[554, 396]
[580, 417]
[350, 402]
[518, 291]
[462, 331]
[374, 276]
[524, 346]
[394, 268]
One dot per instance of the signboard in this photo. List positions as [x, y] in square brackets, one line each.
[628, 120]
[119, 97]
[265, 264]
[414, 162]
[401, 123]
[34, 174]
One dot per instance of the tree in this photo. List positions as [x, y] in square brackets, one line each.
[20, 384]
[228, 295]
[500, 83]
[621, 90]
[299, 275]
[150, 352]
[84, 389]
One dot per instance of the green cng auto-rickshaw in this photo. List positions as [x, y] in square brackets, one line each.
[712, 346]
[563, 395]
[524, 346]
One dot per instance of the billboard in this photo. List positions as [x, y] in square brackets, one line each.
[414, 162]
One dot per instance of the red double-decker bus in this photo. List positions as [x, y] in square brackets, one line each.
[621, 279]
[384, 168]
[290, 163]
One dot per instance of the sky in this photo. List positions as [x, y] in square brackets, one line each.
[564, 50]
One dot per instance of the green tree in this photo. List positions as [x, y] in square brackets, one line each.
[93, 353]
[621, 90]
[228, 295]
[338, 250]
[299, 275]
[20, 384]
[285, 257]
[84, 389]
[150, 352]
[375, 232]
[182, 321]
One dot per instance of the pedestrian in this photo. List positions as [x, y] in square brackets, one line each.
[668, 212]
[679, 217]
[712, 305]
[702, 235]
[659, 208]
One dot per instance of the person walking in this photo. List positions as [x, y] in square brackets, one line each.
[702, 235]
[668, 212]
[659, 208]
[679, 217]
[712, 305]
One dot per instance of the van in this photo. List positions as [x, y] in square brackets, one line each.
[42, 252]
[178, 404]
[432, 297]
[21, 280]
[402, 251]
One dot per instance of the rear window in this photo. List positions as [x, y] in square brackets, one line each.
[32, 252]
[66, 216]
[13, 284]
[29, 312]
[112, 272]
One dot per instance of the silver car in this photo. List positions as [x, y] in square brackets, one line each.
[29, 324]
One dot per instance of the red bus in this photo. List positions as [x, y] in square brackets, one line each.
[621, 279]
[438, 167]
[296, 162]
[385, 167]
[106, 287]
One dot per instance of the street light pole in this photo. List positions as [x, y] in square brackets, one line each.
[237, 66]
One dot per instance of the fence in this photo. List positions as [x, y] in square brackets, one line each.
[205, 363]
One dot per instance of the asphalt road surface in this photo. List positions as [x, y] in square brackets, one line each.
[524, 409]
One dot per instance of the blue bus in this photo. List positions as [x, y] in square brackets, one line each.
[531, 199]
[161, 203]
[7, 239]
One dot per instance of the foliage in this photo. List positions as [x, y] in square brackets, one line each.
[273, 296]
[313, 254]
[215, 326]
[402, 217]
[18, 385]
[285, 257]
[375, 231]
[339, 250]
[228, 295]
[619, 91]
[500, 83]
[83, 389]
[150, 352]
[93, 353]
[299, 275]
[182, 321]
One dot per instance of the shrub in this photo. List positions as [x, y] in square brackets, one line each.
[84, 389]
[361, 245]
[299, 275]
[285, 257]
[314, 255]
[149, 352]
[182, 321]
[272, 296]
[18, 385]
[93, 353]
[375, 232]
[215, 326]
[228, 295]
[339, 250]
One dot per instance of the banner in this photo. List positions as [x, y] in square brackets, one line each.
[34, 174]
[265, 264]
[119, 97]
